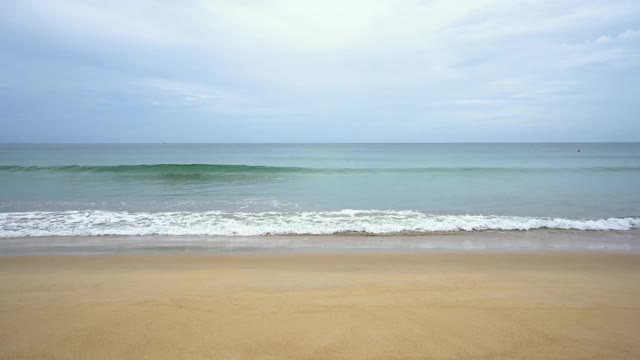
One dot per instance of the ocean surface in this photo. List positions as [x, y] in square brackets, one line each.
[281, 189]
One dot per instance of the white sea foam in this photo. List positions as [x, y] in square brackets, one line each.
[92, 223]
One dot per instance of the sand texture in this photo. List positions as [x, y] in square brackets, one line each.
[358, 306]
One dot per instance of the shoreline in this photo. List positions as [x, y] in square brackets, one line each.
[479, 241]
[318, 306]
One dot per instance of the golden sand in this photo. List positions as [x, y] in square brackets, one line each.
[432, 306]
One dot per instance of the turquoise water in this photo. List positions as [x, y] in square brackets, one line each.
[252, 189]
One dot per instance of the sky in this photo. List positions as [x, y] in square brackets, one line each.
[319, 71]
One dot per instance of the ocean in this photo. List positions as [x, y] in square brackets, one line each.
[304, 189]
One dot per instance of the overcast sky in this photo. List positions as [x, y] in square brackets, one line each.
[319, 71]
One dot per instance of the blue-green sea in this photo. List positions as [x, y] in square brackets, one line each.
[258, 189]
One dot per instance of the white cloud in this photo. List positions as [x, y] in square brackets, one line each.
[326, 27]
[607, 39]
[193, 91]
[605, 50]
[474, 59]
[629, 34]
[137, 22]
[163, 92]
[535, 18]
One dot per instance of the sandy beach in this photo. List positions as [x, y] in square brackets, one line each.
[349, 306]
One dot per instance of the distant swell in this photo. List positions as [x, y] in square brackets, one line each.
[199, 170]
[154, 169]
[220, 223]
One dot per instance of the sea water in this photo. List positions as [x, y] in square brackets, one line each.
[259, 189]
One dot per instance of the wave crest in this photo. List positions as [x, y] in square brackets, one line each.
[221, 169]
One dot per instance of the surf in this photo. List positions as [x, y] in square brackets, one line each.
[223, 223]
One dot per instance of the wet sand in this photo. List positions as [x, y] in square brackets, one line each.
[315, 306]
[475, 241]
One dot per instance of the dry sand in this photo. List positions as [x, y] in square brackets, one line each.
[429, 306]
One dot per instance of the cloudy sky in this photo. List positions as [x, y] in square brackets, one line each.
[319, 71]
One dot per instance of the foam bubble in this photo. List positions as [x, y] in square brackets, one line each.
[220, 223]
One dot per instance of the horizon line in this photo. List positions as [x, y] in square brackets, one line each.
[319, 143]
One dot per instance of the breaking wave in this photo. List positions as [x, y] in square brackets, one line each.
[221, 223]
